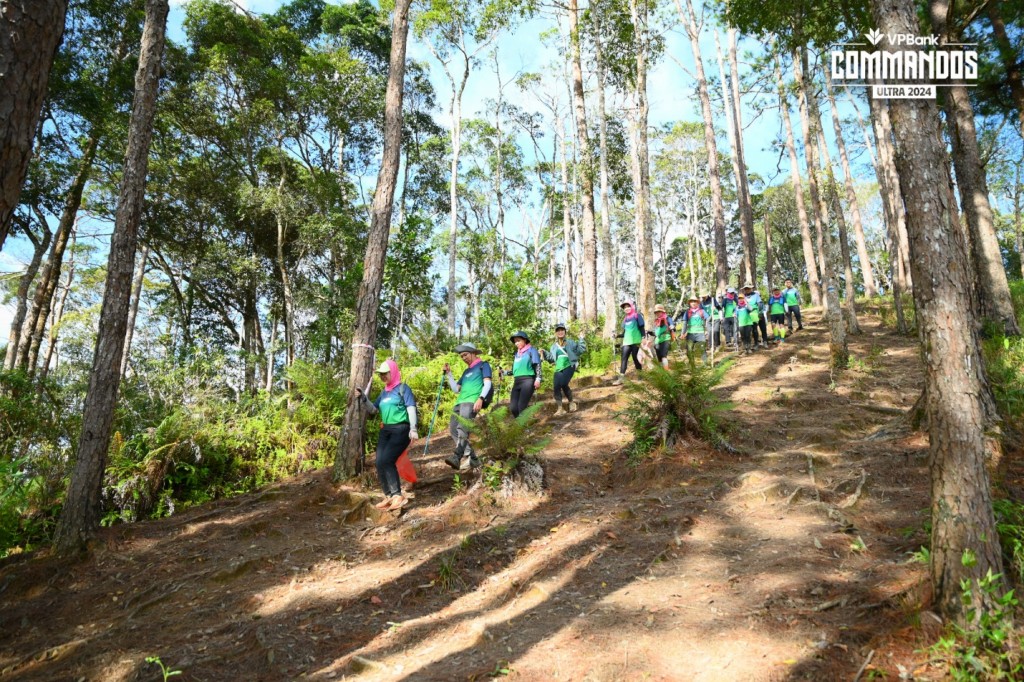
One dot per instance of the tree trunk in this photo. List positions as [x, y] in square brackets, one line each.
[746, 207]
[689, 19]
[866, 270]
[80, 515]
[455, 108]
[801, 208]
[852, 326]
[994, 298]
[586, 174]
[40, 245]
[58, 314]
[133, 310]
[768, 253]
[887, 157]
[605, 230]
[568, 281]
[349, 461]
[826, 252]
[955, 382]
[1011, 61]
[286, 288]
[269, 383]
[642, 192]
[1017, 223]
[734, 132]
[42, 300]
[30, 31]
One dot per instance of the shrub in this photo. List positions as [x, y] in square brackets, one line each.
[1010, 525]
[667, 405]
[506, 443]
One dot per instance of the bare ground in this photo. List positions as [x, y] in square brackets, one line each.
[787, 561]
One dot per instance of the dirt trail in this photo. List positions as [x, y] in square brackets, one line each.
[786, 561]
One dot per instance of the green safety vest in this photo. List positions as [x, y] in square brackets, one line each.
[695, 322]
[745, 319]
[791, 297]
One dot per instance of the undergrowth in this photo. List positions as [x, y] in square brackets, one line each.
[665, 406]
[505, 442]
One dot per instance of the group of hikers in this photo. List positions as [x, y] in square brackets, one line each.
[740, 316]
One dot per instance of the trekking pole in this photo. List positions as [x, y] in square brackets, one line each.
[437, 403]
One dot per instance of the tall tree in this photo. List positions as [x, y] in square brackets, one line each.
[689, 19]
[350, 447]
[994, 289]
[964, 541]
[640, 14]
[611, 304]
[798, 189]
[30, 31]
[1013, 66]
[80, 515]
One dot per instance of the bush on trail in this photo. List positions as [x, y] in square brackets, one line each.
[666, 406]
[509, 447]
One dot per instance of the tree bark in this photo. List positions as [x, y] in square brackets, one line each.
[955, 382]
[80, 515]
[604, 229]
[768, 253]
[746, 208]
[887, 157]
[994, 290]
[733, 131]
[639, 11]
[30, 32]
[689, 19]
[801, 208]
[866, 270]
[40, 245]
[568, 281]
[52, 356]
[286, 287]
[586, 174]
[1011, 61]
[349, 461]
[133, 311]
[852, 326]
[826, 254]
[42, 300]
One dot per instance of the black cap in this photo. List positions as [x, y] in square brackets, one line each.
[520, 335]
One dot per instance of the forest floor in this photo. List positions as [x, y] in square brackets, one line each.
[789, 560]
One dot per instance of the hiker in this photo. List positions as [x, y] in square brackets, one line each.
[713, 307]
[565, 354]
[525, 373]
[777, 315]
[729, 308]
[397, 407]
[473, 388]
[754, 300]
[695, 322]
[792, 297]
[632, 334]
[745, 321]
[664, 334]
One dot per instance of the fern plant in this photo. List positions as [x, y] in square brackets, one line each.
[505, 441]
[666, 405]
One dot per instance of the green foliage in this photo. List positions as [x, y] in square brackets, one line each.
[1010, 525]
[1004, 364]
[504, 441]
[666, 405]
[166, 671]
[984, 648]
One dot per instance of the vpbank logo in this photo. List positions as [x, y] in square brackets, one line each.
[904, 65]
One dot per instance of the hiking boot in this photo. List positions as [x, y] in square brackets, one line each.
[453, 460]
[573, 406]
[474, 462]
[559, 412]
[618, 380]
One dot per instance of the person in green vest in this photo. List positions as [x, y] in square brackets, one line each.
[695, 322]
[565, 353]
[777, 315]
[473, 388]
[745, 319]
[397, 408]
[792, 298]
[526, 374]
[760, 323]
[632, 334]
[664, 334]
[713, 307]
[729, 307]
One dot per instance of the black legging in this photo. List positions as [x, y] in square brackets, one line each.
[522, 391]
[631, 350]
[562, 379]
[392, 442]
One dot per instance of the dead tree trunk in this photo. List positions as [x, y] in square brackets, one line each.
[349, 461]
[80, 516]
[801, 208]
[689, 19]
[30, 31]
[955, 382]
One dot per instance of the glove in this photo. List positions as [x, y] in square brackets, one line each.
[414, 435]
